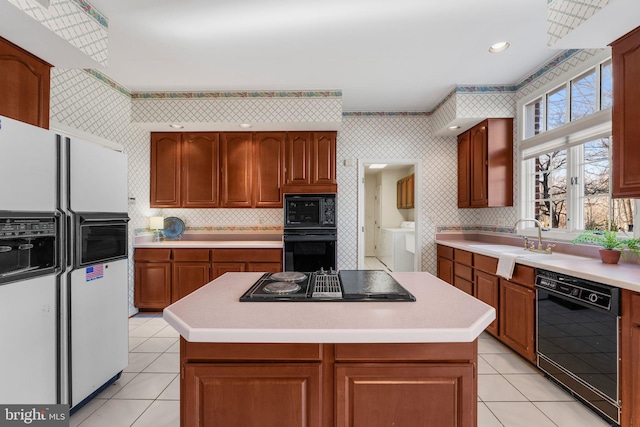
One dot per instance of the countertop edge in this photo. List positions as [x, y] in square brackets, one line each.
[601, 273]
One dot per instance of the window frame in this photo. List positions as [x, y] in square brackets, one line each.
[526, 168]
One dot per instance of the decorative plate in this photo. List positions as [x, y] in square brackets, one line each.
[173, 227]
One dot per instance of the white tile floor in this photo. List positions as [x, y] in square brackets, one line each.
[373, 263]
[511, 393]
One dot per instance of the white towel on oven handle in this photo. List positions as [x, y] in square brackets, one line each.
[506, 265]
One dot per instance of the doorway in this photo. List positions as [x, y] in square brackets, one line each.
[380, 215]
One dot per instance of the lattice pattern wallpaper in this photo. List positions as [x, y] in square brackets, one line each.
[563, 16]
[76, 21]
[92, 104]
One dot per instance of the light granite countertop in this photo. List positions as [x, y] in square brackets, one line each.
[625, 276]
[441, 313]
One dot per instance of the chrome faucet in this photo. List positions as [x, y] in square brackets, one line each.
[532, 246]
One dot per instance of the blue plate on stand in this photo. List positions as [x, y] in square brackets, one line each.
[173, 227]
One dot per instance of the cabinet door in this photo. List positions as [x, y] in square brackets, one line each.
[464, 171]
[445, 270]
[298, 158]
[268, 170]
[187, 277]
[236, 152]
[517, 321]
[407, 394]
[411, 191]
[626, 110]
[219, 268]
[324, 158]
[24, 86]
[478, 144]
[152, 285]
[165, 170]
[200, 158]
[241, 395]
[399, 194]
[487, 291]
[629, 359]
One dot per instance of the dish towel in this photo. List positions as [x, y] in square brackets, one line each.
[506, 264]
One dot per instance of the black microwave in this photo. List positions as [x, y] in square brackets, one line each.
[310, 211]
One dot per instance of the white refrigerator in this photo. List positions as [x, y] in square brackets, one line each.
[65, 329]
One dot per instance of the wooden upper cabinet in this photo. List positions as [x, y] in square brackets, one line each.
[236, 155]
[310, 159]
[478, 147]
[464, 171]
[324, 158]
[268, 169]
[298, 158]
[24, 86]
[165, 169]
[626, 111]
[485, 174]
[200, 157]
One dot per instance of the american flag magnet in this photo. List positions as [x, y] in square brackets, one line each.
[94, 272]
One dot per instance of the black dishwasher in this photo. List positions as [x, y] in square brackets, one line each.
[577, 338]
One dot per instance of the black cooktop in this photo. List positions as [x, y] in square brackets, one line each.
[346, 285]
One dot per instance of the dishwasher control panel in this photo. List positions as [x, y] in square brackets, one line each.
[588, 292]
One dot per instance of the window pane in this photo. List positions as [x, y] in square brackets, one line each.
[596, 178]
[596, 213]
[606, 85]
[623, 214]
[559, 184]
[583, 96]
[559, 214]
[543, 209]
[557, 108]
[596, 150]
[533, 118]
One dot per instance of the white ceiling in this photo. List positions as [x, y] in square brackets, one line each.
[401, 55]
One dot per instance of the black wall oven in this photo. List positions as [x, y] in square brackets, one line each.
[310, 232]
[578, 329]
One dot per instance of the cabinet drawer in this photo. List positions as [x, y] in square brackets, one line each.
[485, 263]
[246, 255]
[445, 252]
[463, 285]
[463, 271]
[152, 254]
[635, 308]
[463, 257]
[191, 255]
[524, 275]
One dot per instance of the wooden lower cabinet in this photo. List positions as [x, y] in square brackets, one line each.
[163, 276]
[403, 394]
[517, 318]
[487, 291]
[152, 284]
[630, 359]
[252, 394]
[445, 270]
[372, 385]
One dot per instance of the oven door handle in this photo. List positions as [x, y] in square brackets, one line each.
[310, 238]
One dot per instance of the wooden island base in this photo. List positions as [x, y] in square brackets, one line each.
[326, 385]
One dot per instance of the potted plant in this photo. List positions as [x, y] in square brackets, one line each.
[613, 245]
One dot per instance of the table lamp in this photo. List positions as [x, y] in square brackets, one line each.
[156, 223]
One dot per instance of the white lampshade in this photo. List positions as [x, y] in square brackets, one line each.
[156, 223]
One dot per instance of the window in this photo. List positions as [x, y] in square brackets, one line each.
[566, 152]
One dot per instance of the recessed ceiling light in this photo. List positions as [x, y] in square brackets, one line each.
[499, 47]
[454, 127]
[245, 125]
[175, 126]
[377, 166]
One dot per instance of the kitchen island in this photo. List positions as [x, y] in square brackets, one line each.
[328, 363]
